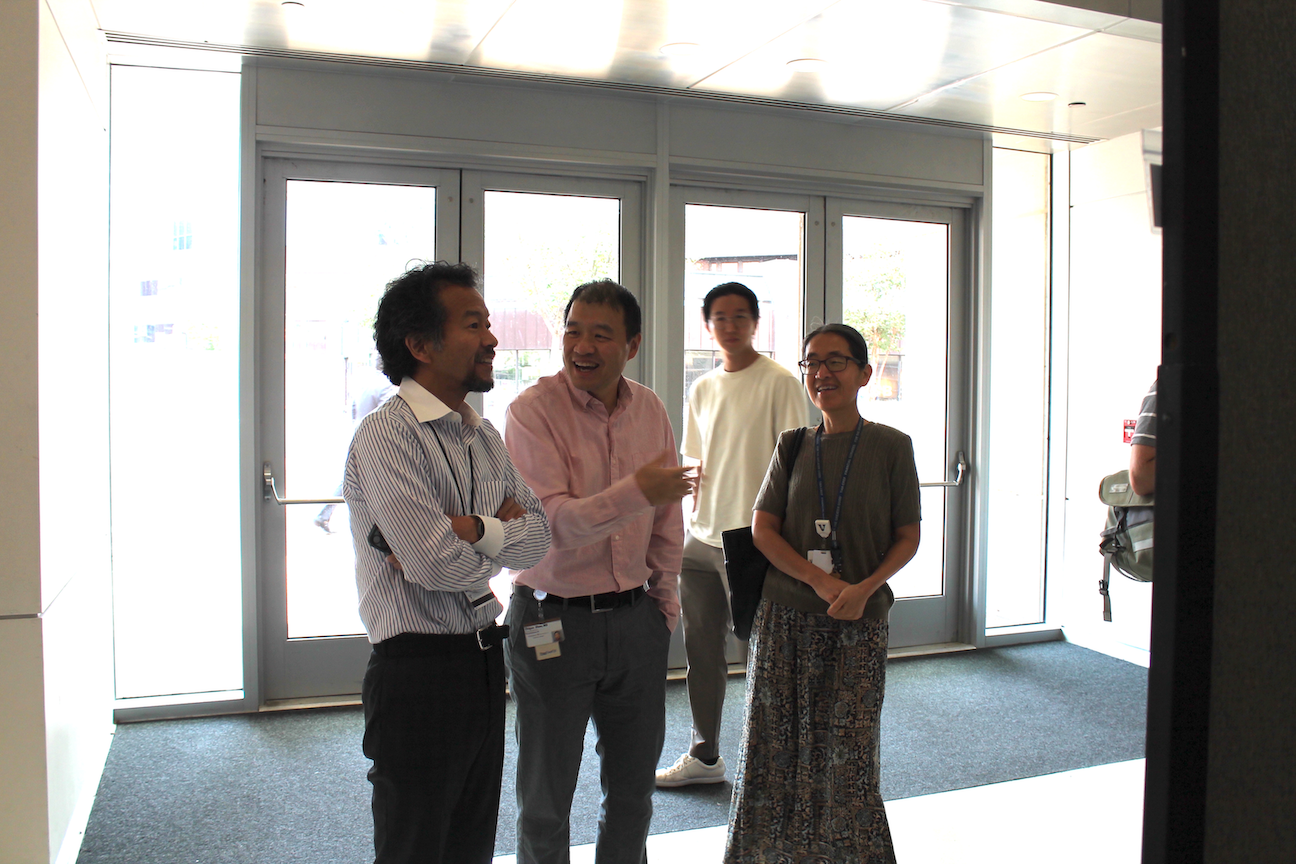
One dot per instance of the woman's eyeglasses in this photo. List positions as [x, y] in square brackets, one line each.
[834, 364]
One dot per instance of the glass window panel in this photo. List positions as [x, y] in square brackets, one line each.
[345, 242]
[174, 365]
[1019, 389]
[762, 250]
[539, 247]
[895, 285]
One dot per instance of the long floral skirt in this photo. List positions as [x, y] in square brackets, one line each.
[807, 783]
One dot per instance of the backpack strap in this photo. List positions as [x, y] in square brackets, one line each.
[795, 450]
[1103, 585]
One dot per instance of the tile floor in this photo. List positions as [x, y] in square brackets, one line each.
[1093, 814]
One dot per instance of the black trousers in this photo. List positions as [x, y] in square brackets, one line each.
[434, 728]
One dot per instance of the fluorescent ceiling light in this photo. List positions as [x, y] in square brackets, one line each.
[679, 49]
[1041, 96]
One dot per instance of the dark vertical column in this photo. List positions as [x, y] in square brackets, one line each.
[1179, 677]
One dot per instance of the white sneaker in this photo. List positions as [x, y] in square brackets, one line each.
[688, 770]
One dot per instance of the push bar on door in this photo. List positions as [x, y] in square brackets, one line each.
[272, 494]
[957, 481]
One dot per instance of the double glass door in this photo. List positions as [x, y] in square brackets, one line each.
[333, 236]
[895, 273]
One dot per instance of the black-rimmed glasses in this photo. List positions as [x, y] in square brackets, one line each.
[834, 364]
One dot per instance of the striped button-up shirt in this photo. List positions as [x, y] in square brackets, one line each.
[414, 463]
[581, 463]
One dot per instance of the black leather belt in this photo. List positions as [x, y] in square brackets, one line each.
[441, 644]
[593, 602]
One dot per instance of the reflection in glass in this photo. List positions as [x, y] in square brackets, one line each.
[345, 242]
[174, 366]
[762, 250]
[895, 291]
[538, 249]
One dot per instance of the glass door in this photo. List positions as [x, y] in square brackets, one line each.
[334, 235]
[772, 244]
[534, 239]
[895, 273]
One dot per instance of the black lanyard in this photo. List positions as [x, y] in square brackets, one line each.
[841, 490]
[472, 479]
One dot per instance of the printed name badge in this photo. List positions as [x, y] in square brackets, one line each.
[543, 632]
[544, 637]
[821, 558]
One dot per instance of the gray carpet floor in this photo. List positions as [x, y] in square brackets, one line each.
[290, 787]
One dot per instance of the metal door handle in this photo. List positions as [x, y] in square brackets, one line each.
[269, 491]
[958, 479]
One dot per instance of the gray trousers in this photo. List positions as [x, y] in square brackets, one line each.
[612, 669]
[704, 596]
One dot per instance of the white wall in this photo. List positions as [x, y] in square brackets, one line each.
[56, 723]
[1114, 347]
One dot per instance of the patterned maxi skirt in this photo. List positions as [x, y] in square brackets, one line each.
[806, 789]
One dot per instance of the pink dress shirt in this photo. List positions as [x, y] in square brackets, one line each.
[581, 463]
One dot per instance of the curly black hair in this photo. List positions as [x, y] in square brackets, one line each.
[412, 305]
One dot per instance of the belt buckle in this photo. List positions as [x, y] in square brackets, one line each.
[480, 644]
[595, 608]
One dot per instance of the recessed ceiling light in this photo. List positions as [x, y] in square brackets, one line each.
[1076, 104]
[1041, 96]
[807, 64]
[679, 49]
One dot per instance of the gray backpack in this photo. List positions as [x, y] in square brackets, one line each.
[1127, 540]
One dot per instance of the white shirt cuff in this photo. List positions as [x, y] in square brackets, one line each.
[492, 540]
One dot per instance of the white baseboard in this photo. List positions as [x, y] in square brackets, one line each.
[1096, 640]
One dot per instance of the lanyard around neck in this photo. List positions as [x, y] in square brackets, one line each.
[471, 476]
[841, 489]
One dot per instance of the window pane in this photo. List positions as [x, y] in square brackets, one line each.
[345, 242]
[895, 282]
[762, 250]
[1018, 392]
[174, 365]
[538, 249]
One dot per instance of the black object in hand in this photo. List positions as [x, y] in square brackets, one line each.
[377, 541]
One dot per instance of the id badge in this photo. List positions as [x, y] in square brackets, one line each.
[544, 637]
[821, 558]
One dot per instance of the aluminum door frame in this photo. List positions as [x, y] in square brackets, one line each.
[928, 621]
[812, 309]
[317, 667]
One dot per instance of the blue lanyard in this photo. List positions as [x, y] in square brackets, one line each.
[841, 490]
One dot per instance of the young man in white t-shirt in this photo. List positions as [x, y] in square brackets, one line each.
[735, 415]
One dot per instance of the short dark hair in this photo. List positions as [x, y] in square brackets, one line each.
[858, 347]
[411, 306]
[724, 290]
[609, 293]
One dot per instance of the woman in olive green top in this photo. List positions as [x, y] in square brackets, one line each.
[835, 526]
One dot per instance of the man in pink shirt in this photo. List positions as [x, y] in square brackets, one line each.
[591, 622]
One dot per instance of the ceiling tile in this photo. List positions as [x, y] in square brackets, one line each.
[445, 31]
[1112, 75]
[622, 41]
[881, 53]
